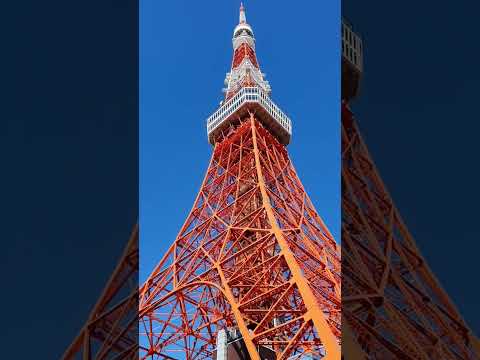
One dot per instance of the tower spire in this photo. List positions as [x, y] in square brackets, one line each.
[243, 18]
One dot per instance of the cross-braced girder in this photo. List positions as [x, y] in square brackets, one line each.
[253, 255]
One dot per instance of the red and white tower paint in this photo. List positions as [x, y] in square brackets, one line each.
[254, 272]
[245, 69]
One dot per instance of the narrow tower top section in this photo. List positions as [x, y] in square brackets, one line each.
[243, 18]
[243, 31]
[246, 90]
[245, 69]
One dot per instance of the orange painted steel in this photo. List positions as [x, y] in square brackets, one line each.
[111, 331]
[253, 255]
[391, 301]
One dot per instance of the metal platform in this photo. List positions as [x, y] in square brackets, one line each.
[250, 99]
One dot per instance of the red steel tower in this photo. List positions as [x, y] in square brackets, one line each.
[253, 270]
[393, 307]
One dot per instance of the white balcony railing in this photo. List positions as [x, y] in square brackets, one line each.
[248, 95]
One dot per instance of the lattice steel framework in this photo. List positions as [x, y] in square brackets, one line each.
[253, 255]
[111, 331]
[392, 302]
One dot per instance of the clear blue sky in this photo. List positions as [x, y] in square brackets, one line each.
[185, 51]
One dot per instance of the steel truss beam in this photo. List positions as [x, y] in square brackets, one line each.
[253, 255]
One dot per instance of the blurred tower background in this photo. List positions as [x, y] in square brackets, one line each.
[111, 330]
[393, 307]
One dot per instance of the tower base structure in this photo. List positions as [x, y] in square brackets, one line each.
[253, 255]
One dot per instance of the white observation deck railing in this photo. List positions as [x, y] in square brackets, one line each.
[266, 111]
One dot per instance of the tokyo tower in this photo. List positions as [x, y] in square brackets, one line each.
[393, 307]
[254, 273]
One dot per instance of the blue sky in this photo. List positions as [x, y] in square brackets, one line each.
[185, 51]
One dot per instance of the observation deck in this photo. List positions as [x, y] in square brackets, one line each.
[255, 100]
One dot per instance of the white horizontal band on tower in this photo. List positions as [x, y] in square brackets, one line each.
[253, 98]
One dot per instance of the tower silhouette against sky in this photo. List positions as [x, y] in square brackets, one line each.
[393, 307]
[254, 270]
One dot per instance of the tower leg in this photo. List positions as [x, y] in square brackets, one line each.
[314, 312]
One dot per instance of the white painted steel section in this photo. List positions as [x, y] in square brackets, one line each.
[233, 79]
[222, 345]
[248, 95]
